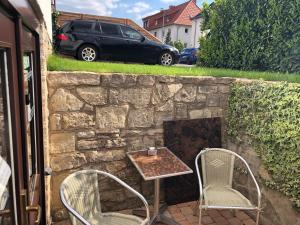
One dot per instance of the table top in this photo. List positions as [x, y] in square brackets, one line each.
[164, 164]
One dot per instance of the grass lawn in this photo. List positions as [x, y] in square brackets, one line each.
[58, 63]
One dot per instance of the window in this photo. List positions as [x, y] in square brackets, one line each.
[156, 22]
[186, 30]
[110, 29]
[82, 26]
[130, 33]
[155, 34]
[185, 45]
[146, 23]
[163, 33]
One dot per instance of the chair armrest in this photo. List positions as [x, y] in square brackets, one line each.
[141, 197]
[70, 209]
[255, 182]
[199, 176]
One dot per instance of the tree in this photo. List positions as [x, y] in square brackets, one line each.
[178, 44]
[168, 39]
[252, 35]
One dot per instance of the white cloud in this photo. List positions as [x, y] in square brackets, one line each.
[138, 9]
[98, 7]
[150, 13]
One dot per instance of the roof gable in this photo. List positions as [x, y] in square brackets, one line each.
[180, 14]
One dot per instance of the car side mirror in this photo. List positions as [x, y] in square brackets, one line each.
[143, 39]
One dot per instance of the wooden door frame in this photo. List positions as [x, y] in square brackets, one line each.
[17, 107]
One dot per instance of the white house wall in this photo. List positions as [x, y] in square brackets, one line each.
[45, 6]
[177, 33]
[196, 32]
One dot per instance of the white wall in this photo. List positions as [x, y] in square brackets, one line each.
[177, 33]
[45, 6]
[197, 32]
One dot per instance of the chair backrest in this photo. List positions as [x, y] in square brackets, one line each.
[81, 192]
[217, 167]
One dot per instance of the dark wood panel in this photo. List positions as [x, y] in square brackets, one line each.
[186, 138]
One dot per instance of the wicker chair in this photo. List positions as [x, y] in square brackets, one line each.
[80, 194]
[217, 192]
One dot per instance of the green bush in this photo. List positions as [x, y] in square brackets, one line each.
[178, 44]
[252, 35]
[269, 114]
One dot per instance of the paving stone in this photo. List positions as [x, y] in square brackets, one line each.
[213, 213]
[242, 215]
[221, 220]
[249, 222]
[186, 210]
[235, 221]
[206, 220]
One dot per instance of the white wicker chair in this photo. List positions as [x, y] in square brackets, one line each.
[80, 194]
[217, 192]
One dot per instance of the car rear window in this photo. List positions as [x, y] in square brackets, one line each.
[82, 26]
[110, 29]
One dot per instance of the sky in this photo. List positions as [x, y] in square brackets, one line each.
[131, 9]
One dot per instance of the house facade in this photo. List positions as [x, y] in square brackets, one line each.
[197, 31]
[177, 20]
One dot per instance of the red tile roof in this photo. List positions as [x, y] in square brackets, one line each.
[180, 14]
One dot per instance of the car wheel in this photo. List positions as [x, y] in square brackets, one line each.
[166, 59]
[87, 53]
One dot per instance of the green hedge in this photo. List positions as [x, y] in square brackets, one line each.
[269, 114]
[252, 35]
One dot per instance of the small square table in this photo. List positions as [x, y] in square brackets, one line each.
[164, 164]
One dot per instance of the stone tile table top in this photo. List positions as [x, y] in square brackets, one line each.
[164, 164]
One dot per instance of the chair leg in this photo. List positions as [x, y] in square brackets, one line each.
[200, 215]
[257, 216]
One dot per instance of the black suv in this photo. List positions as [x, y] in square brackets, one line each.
[89, 39]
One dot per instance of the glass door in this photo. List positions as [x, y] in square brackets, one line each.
[7, 179]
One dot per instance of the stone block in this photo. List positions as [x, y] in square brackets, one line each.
[207, 89]
[201, 97]
[86, 134]
[56, 79]
[55, 122]
[167, 107]
[62, 143]
[67, 161]
[160, 117]
[119, 80]
[139, 97]
[146, 80]
[181, 110]
[104, 156]
[140, 118]
[64, 100]
[186, 94]
[77, 120]
[213, 100]
[93, 95]
[163, 92]
[110, 118]
[200, 113]
[89, 144]
[224, 89]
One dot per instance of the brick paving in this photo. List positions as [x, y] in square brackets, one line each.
[183, 213]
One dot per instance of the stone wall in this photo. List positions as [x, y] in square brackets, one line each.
[94, 119]
[276, 208]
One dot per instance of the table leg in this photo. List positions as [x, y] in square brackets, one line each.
[158, 212]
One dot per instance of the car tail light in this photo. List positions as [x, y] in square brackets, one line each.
[62, 37]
